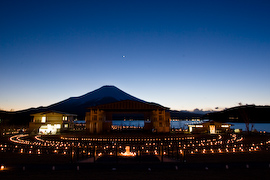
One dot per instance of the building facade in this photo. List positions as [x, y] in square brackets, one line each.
[209, 127]
[51, 122]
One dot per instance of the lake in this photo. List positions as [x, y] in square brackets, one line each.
[183, 124]
[134, 123]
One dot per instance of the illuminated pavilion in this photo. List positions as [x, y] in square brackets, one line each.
[156, 118]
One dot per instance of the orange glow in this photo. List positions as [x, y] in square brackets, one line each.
[128, 153]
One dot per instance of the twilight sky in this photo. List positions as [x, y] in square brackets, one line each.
[180, 54]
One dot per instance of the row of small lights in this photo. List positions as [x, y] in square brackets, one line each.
[61, 147]
[130, 139]
[12, 131]
[116, 127]
[17, 139]
[105, 149]
[58, 145]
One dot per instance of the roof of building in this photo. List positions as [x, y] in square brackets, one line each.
[129, 105]
[53, 111]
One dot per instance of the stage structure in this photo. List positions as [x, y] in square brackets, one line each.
[156, 118]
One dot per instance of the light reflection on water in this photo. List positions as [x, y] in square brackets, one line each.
[134, 123]
[257, 126]
[183, 124]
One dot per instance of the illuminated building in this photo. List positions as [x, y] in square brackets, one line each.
[211, 127]
[156, 118]
[51, 122]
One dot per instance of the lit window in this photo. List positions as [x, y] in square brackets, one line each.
[43, 119]
[190, 128]
[224, 125]
[58, 126]
[64, 118]
[212, 129]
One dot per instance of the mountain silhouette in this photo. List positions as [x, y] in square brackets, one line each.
[244, 113]
[78, 105]
[103, 95]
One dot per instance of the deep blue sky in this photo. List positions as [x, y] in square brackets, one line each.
[181, 54]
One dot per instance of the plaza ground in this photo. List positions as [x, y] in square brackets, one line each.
[246, 165]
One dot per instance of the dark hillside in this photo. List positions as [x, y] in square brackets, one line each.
[247, 113]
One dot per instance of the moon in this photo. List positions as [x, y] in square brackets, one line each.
[123, 56]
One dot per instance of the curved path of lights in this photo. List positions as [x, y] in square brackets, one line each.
[171, 145]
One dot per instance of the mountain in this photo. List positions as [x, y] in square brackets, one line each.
[202, 112]
[103, 95]
[78, 105]
[185, 115]
[75, 105]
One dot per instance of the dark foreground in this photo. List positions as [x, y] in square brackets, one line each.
[226, 166]
[140, 171]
